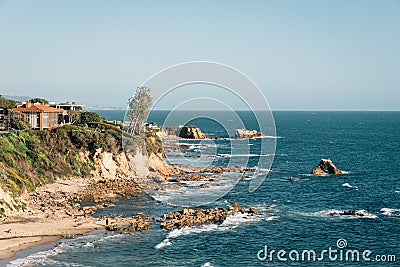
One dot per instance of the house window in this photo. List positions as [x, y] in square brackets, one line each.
[53, 118]
[37, 114]
[45, 120]
[33, 119]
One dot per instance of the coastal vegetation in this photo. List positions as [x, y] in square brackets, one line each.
[29, 158]
[7, 103]
[39, 100]
[16, 121]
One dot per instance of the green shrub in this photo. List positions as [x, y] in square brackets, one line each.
[89, 117]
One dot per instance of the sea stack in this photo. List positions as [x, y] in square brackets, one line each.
[326, 166]
[191, 132]
[244, 133]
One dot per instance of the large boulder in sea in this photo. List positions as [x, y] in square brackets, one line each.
[189, 217]
[244, 133]
[191, 132]
[326, 166]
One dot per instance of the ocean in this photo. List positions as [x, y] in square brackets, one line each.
[295, 219]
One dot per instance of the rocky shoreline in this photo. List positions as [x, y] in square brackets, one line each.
[55, 211]
[188, 217]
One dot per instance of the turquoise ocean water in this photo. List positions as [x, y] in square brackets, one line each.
[295, 215]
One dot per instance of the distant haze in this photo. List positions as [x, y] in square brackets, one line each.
[304, 55]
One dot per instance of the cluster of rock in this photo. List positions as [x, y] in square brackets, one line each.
[203, 174]
[326, 166]
[222, 169]
[244, 133]
[66, 202]
[128, 225]
[348, 213]
[189, 217]
[191, 132]
[57, 205]
[106, 189]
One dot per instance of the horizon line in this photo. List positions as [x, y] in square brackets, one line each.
[257, 110]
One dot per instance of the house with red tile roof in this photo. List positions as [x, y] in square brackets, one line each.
[40, 116]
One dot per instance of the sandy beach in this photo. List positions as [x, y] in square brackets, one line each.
[54, 211]
[25, 232]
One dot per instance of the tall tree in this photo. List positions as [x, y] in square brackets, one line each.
[139, 106]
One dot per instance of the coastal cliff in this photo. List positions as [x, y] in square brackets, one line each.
[34, 158]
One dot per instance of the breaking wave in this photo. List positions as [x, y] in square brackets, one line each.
[230, 222]
[391, 212]
[337, 214]
[81, 243]
[349, 185]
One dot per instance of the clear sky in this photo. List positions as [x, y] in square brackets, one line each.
[304, 55]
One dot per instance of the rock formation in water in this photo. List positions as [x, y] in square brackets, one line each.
[326, 166]
[348, 213]
[244, 133]
[129, 225]
[191, 132]
[189, 217]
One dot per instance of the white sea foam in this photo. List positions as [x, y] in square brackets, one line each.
[230, 222]
[349, 185]
[272, 218]
[397, 191]
[197, 195]
[78, 243]
[244, 155]
[207, 264]
[322, 174]
[85, 242]
[202, 144]
[262, 169]
[333, 212]
[193, 183]
[33, 258]
[311, 174]
[391, 212]
[271, 137]
[164, 243]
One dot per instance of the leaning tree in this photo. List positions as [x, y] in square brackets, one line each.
[139, 106]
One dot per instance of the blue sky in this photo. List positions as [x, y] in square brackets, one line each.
[304, 55]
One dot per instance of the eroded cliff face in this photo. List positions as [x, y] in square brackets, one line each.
[158, 164]
[72, 153]
[105, 165]
[31, 159]
[9, 204]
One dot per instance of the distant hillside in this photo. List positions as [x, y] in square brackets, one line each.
[17, 97]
